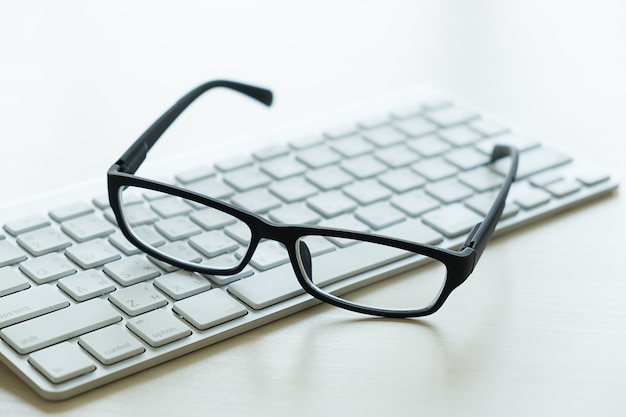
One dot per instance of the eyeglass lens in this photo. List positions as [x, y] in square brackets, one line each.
[183, 229]
[334, 272]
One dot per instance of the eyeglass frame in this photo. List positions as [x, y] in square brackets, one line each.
[459, 263]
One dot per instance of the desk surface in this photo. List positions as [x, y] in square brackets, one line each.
[539, 329]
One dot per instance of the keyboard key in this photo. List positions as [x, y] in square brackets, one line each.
[367, 192]
[488, 127]
[402, 180]
[182, 284]
[209, 309]
[379, 215]
[268, 254]
[348, 222]
[384, 136]
[271, 152]
[294, 214]
[293, 189]
[453, 220]
[70, 211]
[329, 178]
[135, 215]
[331, 203]
[118, 240]
[9, 254]
[318, 245]
[210, 218]
[25, 305]
[111, 345]
[363, 166]
[534, 161]
[341, 131]
[60, 325]
[131, 270]
[282, 168]
[170, 207]
[318, 156]
[459, 135]
[195, 174]
[62, 362]
[146, 234]
[352, 146]
[213, 243]
[522, 143]
[228, 261]
[11, 281]
[307, 142]
[429, 146]
[86, 285]
[415, 126]
[101, 201]
[482, 203]
[434, 169]
[268, 288]
[47, 268]
[137, 299]
[42, 241]
[397, 156]
[415, 203]
[412, 230]
[246, 179]
[531, 198]
[257, 201]
[591, 177]
[92, 254]
[545, 178]
[26, 224]
[177, 250]
[158, 328]
[234, 162]
[466, 158]
[211, 188]
[177, 228]
[563, 188]
[481, 179]
[87, 227]
[451, 115]
[345, 221]
[240, 232]
[449, 190]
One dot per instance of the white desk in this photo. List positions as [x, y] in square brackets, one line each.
[538, 330]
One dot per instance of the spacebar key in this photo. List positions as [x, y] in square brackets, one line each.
[60, 325]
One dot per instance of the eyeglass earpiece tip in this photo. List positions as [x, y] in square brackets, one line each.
[500, 151]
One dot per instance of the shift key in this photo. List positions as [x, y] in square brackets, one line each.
[59, 326]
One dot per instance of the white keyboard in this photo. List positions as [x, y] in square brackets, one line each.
[80, 307]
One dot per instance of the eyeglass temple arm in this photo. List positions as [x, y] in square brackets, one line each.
[480, 234]
[136, 153]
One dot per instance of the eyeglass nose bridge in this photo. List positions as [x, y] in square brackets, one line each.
[264, 230]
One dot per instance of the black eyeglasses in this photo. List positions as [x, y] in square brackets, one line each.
[330, 264]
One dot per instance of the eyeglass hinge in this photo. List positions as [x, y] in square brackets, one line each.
[130, 161]
[470, 242]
